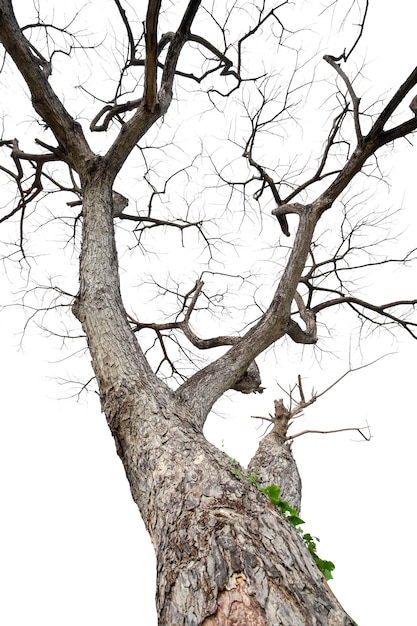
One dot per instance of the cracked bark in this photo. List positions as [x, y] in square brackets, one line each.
[273, 461]
[224, 554]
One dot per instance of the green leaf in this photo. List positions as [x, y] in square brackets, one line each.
[327, 574]
[286, 508]
[326, 567]
[310, 539]
[273, 494]
[312, 547]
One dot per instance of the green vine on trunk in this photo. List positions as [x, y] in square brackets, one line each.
[290, 514]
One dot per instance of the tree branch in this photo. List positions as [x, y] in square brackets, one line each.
[376, 132]
[203, 388]
[134, 129]
[45, 102]
[380, 310]
[174, 50]
[184, 325]
[275, 321]
[355, 100]
[151, 39]
[126, 23]
[357, 429]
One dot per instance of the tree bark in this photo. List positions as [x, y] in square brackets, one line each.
[224, 553]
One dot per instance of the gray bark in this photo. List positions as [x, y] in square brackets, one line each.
[274, 463]
[221, 547]
[224, 553]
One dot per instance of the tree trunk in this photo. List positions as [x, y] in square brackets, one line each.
[224, 553]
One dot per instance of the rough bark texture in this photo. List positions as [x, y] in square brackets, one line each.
[275, 465]
[225, 556]
[223, 552]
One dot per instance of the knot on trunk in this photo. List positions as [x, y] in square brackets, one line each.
[120, 202]
[250, 382]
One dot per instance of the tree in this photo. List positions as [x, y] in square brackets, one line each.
[224, 553]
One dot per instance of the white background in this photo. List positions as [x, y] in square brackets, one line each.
[73, 549]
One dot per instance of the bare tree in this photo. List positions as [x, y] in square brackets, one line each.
[225, 554]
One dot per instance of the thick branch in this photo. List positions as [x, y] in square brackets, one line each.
[309, 335]
[398, 131]
[151, 38]
[146, 116]
[110, 111]
[275, 322]
[67, 131]
[203, 389]
[376, 138]
[227, 63]
[392, 105]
